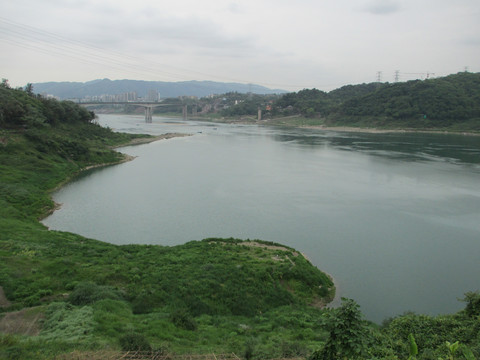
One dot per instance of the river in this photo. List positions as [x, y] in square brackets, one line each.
[395, 218]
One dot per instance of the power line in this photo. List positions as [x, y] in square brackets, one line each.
[35, 39]
[49, 43]
[43, 41]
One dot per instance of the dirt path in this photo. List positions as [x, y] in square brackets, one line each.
[266, 246]
[3, 299]
[23, 322]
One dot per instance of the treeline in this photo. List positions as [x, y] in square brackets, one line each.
[447, 102]
[22, 108]
[235, 104]
[440, 102]
[317, 103]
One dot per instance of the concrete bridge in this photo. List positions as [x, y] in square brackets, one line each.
[147, 105]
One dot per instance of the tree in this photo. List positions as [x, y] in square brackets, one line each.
[473, 303]
[29, 89]
[5, 84]
[348, 336]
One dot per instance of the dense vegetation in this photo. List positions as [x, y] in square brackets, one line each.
[23, 108]
[442, 103]
[451, 102]
[66, 292]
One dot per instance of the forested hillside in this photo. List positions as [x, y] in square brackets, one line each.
[65, 296]
[20, 107]
[446, 103]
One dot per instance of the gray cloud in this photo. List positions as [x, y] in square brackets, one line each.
[382, 7]
[473, 41]
[235, 8]
[308, 43]
[148, 30]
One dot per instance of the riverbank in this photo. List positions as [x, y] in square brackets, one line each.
[305, 123]
[386, 131]
[146, 140]
[136, 141]
[125, 158]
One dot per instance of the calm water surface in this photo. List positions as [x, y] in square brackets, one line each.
[395, 218]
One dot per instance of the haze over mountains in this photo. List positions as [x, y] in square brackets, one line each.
[78, 90]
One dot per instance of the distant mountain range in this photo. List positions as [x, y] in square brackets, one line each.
[78, 90]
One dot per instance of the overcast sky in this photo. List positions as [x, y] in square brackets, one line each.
[277, 43]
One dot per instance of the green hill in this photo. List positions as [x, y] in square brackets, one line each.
[446, 103]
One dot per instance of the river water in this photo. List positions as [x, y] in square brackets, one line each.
[394, 218]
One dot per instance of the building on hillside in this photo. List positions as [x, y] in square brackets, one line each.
[152, 96]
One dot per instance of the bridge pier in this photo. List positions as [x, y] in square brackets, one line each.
[148, 114]
[184, 112]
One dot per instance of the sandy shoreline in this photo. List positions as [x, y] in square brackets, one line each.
[386, 131]
[252, 121]
[140, 141]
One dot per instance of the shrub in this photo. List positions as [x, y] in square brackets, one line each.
[249, 351]
[134, 342]
[86, 293]
[473, 303]
[348, 334]
[65, 322]
[143, 303]
[182, 319]
[293, 350]
[112, 317]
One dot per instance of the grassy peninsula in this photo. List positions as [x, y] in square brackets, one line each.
[65, 296]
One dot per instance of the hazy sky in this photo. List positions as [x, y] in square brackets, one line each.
[277, 43]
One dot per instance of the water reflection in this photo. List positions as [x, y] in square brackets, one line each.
[405, 147]
[401, 146]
